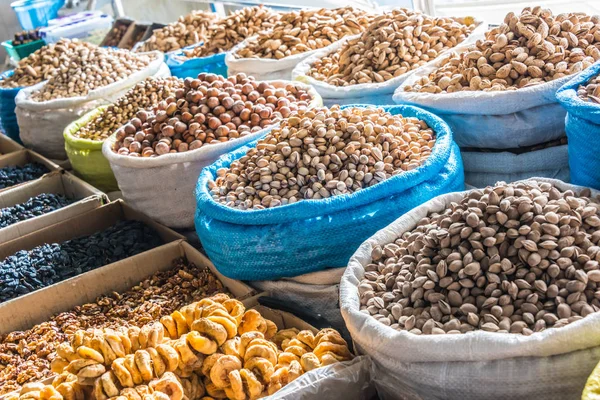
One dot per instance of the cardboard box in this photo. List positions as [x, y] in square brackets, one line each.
[118, 22]
[7, 145]
[83, 225]
[150, 30]
[57, 182]
[40, 305]
[134, 34]
[23, 157]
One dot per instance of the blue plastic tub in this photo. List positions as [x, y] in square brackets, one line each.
[36, 13]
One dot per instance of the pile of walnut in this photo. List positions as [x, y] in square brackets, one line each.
[301, 31]
[188, 30]
[90, 68]
[211, 109]
[214, 347]
[394, 44]
[526, 50]
[43, 63]
[229, 31]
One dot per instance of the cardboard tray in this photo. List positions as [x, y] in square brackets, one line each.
[119, 21]
[39, 306]
[135, 30]
[23, 157]
[83, 225]
[57, 182]
[7, 145]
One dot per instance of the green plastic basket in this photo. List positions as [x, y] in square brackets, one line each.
[22, 50]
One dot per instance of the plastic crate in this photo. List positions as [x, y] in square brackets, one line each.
[22, 50]
[36, 13]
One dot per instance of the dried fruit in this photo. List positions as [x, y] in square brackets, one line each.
[10, 176]
[34, 207]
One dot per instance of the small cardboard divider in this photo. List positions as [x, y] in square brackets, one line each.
[22, 157]
[7, 145]
[58, 182]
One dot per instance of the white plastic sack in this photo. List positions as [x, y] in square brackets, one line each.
[42, 123]
[364, 93]
[494, 120]
[263, 68]
[318, 292]
[553, 364]
[484, 169]
[349, 380]
[145, 181]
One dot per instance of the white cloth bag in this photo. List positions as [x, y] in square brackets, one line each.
[364, 93]
[493, 120]
[263, 68]
[42, 123]
[318, 292]
[553, 364]
[163, 187]
[484, 169]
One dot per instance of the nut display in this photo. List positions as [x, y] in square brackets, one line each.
[515, 258]
[188, 30]
[590, 91]
[91, 68]
[34, 207]
[142, 96]
[527, 49]
[211, 109]
[10, 176]
[394, 44]
[26, 356]
[214, 347]
[319, 153]
[27, 271]
[43, 63]
[229, 31]
[305, 30]
[116, 34]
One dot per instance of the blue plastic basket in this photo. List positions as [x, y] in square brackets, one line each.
[36, 13]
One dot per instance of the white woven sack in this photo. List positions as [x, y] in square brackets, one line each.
[145, 181]
[318, 292]
[493, 120]
[348, 380]
[364, 93]
[484, 169]
[553, 364]
[42, 123]
[263, 68]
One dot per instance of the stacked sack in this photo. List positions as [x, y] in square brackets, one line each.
[368, 67]
[161, 151]
[581, 99]
[88, 77]
[484, 294]
[209, 55]
[273, 53]
[500, 93]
